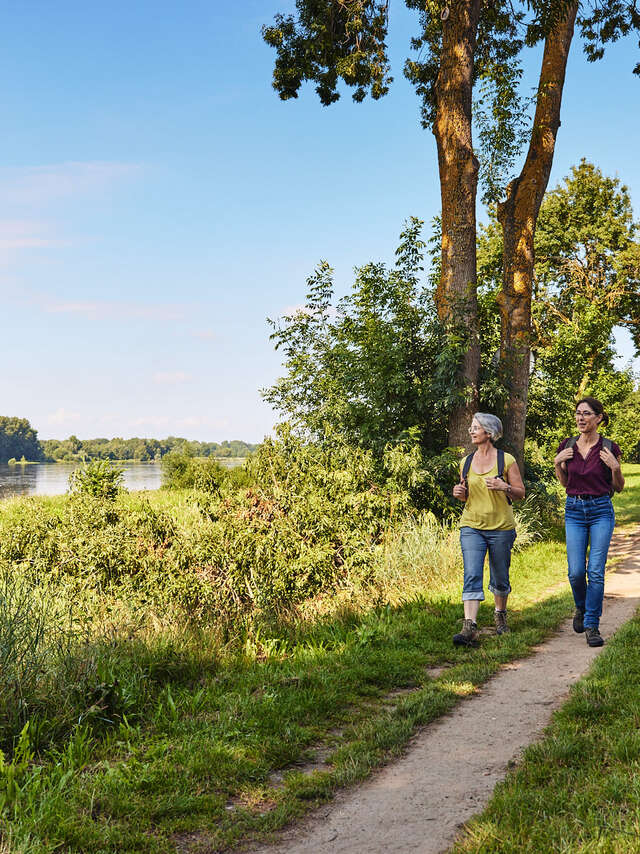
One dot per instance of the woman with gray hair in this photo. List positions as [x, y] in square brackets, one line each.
[489, 482]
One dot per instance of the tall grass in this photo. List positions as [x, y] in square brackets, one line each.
[37, 632]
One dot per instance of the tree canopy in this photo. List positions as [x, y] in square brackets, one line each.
[377, 367]
[467, 65]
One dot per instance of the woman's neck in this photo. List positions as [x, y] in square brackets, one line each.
[590, 438]
[484, 449]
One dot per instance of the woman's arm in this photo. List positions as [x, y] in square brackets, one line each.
[560, 465]
[515, 482]
[610, 459]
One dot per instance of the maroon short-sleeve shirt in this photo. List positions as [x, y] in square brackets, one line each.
[588, 476]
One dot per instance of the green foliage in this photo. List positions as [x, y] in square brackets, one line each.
[587, 282]
[332, 40]
[310, 520]
[626, 417]
[99, 478]
[18, 440]
[378, 365]
[181, 470]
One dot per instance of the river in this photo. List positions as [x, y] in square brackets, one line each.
[53, 478]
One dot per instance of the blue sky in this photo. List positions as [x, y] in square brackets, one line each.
[160, 202]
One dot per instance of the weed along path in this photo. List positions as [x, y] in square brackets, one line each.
[421, 802]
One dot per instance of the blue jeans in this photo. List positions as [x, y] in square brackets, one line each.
[475, 543]
[588, 523]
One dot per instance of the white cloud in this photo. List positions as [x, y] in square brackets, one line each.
[18, 234]
[171, 377]
[35, 185]
[122, 309]
[63, 416]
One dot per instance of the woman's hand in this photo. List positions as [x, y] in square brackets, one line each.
[496, 483]
[564, 455]
[460, 491]
[609, 459]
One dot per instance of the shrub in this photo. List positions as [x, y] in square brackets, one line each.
[181, 470]
[99, 478]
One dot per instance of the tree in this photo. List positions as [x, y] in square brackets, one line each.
[18, 439]
[518, 215]
[461, 43]
[373, 368]
[586, 282]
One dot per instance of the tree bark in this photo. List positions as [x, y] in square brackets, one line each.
[456, 295]
[518, 215]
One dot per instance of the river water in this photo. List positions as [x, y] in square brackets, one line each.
[53, 478]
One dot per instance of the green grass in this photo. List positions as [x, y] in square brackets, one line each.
[627, 503]
[579, 789]
[215, 740]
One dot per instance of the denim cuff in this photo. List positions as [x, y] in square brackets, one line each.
[497, 592]
[472, 595]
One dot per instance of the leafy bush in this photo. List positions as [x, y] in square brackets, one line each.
[181, 470]
[99, 478]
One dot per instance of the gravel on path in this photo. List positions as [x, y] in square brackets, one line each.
[419, 802]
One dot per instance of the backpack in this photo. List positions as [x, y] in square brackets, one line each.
[467, 466]
[606, 443]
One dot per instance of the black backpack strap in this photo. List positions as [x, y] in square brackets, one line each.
[571, 441]
[465, 471]
[501, 471]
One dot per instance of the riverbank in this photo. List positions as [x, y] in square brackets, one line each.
[215, 741]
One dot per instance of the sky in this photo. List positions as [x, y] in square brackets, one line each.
[159, 203]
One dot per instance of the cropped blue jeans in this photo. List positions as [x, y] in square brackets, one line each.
[475, 543]
[588, 524]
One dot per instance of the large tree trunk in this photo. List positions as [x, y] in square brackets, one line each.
[518, 215]
[456, 294]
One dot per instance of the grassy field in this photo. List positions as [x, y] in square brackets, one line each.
[192, 740]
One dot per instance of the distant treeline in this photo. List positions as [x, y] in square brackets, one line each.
[139, 449]
[19, 440]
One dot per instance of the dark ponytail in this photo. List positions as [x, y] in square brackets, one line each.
[597, 407]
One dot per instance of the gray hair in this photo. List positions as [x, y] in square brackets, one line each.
[490, 423]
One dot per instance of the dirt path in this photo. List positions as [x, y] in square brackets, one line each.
[418, 803]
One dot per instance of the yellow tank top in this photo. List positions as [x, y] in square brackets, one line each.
[484, 508]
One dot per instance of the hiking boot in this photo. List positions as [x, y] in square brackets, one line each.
[594, 638]
[468, 636]
[500, 619]
[578, 621]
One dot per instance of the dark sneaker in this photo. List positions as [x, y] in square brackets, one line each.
[594, 638]
[578, 621]
[500, 619]
[468, 636]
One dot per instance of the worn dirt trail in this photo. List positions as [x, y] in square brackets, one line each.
[419, 803]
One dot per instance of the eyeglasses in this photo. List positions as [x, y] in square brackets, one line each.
[586, 414]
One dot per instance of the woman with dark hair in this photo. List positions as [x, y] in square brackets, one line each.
[489, 482]
[588, 465]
